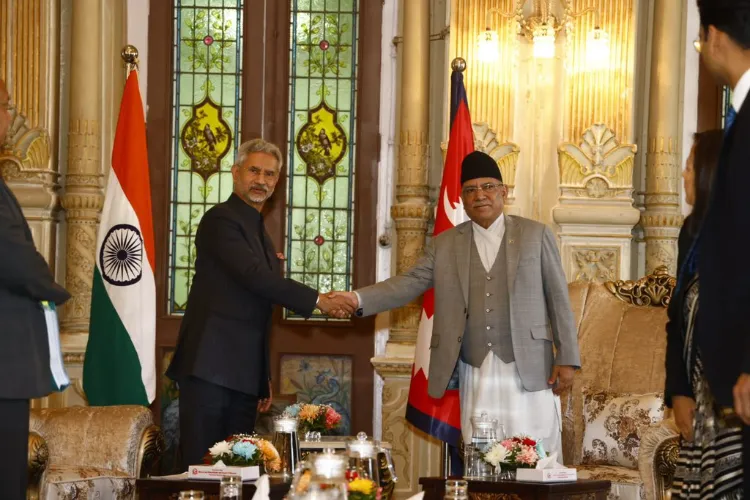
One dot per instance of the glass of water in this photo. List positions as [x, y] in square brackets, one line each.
[231, 488]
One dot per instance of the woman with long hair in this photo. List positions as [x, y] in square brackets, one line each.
[710, 461]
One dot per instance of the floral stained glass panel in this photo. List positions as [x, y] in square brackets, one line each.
[207, 82]
[321, 144]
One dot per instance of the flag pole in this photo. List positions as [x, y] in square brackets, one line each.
[129, 54]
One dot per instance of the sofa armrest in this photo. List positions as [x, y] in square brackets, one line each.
[657, 457]
[37, 462]
[149, 452]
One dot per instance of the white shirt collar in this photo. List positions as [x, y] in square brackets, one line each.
[740, 91]
[497, 228]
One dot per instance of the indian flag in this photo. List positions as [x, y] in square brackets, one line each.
[119, 366]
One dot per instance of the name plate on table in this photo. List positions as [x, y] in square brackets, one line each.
[217, 472]
[546, 475]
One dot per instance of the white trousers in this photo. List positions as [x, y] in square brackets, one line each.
[495, 388]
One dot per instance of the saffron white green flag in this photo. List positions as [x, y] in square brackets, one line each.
[119, 367]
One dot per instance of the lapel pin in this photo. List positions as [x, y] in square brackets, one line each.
[511, 241]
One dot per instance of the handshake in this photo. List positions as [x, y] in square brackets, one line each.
[338, 304]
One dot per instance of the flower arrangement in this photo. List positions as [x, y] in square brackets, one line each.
[361, 488]
[518, 452]
[242, 450]
[314, 418]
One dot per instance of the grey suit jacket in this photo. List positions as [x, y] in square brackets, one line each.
[540, 312]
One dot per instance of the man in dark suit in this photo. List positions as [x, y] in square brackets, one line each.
[222, 360]
[723, 323]
[25, 281]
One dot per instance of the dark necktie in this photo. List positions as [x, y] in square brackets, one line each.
[729, 119]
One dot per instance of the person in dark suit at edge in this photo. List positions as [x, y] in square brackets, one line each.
[25, 282]
[721, 252]
[221, 362]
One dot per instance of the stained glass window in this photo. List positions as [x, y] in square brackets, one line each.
[321, 144]
[207, 108]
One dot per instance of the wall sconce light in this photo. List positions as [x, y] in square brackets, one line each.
[541, 29]
[597, 49]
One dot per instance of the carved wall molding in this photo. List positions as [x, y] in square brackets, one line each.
[600, 167]
[596, 264]
[75, 358]
[392, 368]
[25, 155]
[595, 211]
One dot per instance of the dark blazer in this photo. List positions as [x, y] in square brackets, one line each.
[25, 281]
[723, 322]
[677, 381]
[224, 336]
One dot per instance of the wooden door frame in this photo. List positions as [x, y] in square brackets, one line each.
[271, 121]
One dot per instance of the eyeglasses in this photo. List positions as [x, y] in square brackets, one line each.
[489, 188]
[698, 45]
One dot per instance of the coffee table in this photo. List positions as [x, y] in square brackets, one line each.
[434, 488]
[169, 489]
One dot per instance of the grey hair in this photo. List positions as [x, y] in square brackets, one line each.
[259, 146]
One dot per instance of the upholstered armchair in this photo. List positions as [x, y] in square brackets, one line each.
[614, 424]
[91, 452]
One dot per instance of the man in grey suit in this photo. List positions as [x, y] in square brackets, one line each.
[502, 311]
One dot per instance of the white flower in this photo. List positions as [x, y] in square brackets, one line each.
[496, 455]
[220, 448]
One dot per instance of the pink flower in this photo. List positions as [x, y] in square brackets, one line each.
[528, 456]
[508, 444]
[332, 418]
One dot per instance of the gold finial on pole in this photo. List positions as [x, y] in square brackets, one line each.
[458, 64]
[130, 56]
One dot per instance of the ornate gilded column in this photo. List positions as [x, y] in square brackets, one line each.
[662, 219]
[412, 191]
[83, 198]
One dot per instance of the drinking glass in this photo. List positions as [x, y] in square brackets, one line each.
[456, 489]
[231, 488]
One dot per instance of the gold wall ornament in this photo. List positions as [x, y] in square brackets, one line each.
[600, 167]
[656, 289]
[596, 264]
[25, 155]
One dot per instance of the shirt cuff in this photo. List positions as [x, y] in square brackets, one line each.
[359, 299]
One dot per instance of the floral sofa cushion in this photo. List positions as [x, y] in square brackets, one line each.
[86, 483]
[613, 425]
[626, 483]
